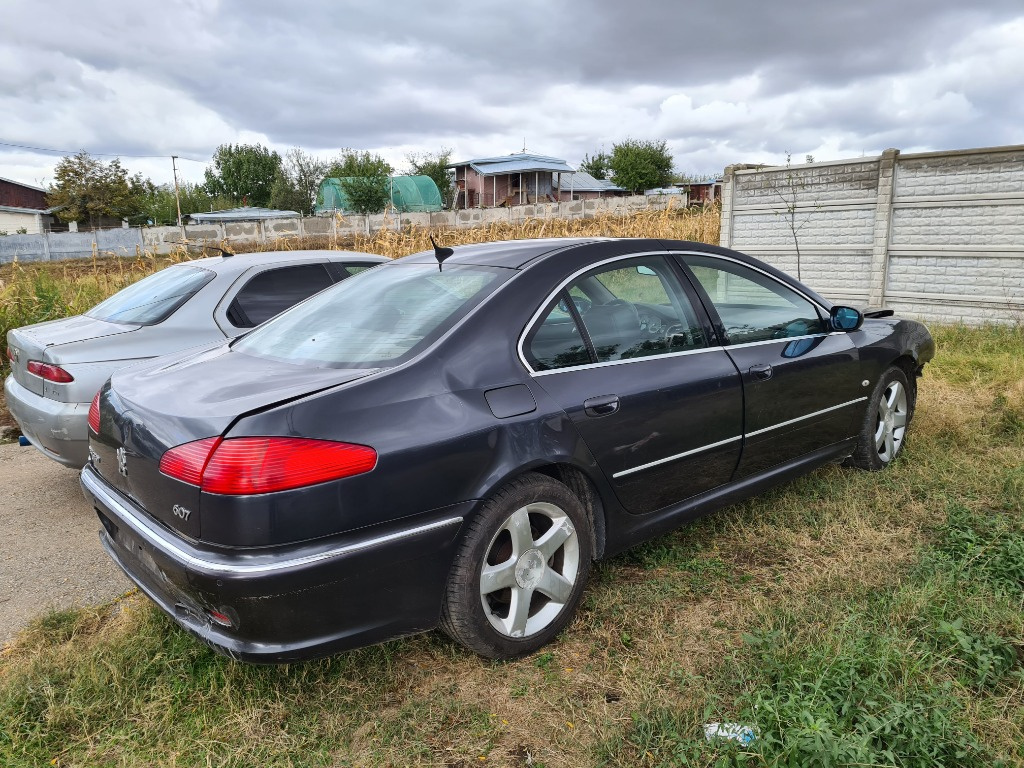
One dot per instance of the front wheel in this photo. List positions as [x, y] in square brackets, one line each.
[521, 569]
[884, 430]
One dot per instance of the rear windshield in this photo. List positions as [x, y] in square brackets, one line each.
[153, 299]
[378, 318]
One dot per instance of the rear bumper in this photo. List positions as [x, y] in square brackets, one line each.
[59, 430]
[286, 603]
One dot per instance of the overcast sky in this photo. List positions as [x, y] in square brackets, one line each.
[722, 81]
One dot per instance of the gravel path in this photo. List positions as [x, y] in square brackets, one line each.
[50, 553]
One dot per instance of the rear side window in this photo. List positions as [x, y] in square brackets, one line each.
[272, 292]
[342, 271]
[153, 299]
[383, 318]
[631, 309]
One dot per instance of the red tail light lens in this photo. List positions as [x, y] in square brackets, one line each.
[250, 465]
[10, 355]
[94, 414]
[50, 372]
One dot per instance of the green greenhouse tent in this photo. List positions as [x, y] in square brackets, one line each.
[408, 194]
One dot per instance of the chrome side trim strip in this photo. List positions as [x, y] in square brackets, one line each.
[148, 532]
[684, 454]
[606, 363]
[677, 456]
[785, 340]
[808, 416]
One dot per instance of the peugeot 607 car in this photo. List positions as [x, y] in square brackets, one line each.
[58, 366]
[454, 437]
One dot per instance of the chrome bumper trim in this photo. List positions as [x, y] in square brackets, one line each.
[146, 530]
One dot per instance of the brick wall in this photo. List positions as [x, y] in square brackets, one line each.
[937, 235]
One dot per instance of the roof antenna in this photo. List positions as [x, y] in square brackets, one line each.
[440, 253]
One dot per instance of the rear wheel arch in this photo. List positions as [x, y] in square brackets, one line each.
[577, 481]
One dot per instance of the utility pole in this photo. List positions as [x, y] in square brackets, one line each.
[177, 199]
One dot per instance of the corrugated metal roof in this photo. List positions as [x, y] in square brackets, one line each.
[23, 184]
[15, 209]
[581, 181]
[521, 162]
[247, 213]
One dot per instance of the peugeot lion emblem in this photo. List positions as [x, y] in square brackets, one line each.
[122, 462]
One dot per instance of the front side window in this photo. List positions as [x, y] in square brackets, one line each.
[153, 299]
[383, 318]
[631, 309]
[752, 306]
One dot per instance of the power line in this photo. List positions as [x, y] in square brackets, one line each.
[98, 154]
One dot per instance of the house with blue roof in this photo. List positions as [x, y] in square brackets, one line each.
[515, 179]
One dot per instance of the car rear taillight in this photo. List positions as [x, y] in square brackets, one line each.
[94, 414]
[10, 356]
[249, 465]
[50, 372]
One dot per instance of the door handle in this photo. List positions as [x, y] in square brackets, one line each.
[762, 371]
[604, 405]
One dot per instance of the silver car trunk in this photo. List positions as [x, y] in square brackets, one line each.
[32, 341]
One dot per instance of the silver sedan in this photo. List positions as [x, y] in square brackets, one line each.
[58, 366]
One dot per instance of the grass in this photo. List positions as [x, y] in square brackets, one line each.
[849, 618]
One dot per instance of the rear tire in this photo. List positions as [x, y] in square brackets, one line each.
[520, 571]
[883, 432]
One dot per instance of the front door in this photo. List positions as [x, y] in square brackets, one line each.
[803, 385]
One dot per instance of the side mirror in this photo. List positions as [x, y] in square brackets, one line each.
[845, 319]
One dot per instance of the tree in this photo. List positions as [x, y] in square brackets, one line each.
[789, 189]
[160, 207]
[435, 165]
[243, 172]
[638, 165]
[598, 166]
[364, 180]
[297, 182]
[87, 189]
[353, 163]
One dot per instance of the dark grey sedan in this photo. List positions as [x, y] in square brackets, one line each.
[453, 438]
[58, 366]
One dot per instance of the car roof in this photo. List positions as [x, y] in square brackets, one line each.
[511, 254]
[517, 254]
[242, 261]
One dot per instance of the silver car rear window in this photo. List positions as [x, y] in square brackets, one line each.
[154, 298]
[378, 318]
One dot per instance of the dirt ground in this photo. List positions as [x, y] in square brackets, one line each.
[50, 554]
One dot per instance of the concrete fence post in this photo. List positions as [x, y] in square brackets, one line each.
[46, 245]
[883, 225]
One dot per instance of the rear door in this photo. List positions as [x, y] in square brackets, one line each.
[803, 385]
[622, 350]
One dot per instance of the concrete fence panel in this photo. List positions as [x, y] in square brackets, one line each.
[936, 235]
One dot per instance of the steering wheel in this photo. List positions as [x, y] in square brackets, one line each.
[679, 332]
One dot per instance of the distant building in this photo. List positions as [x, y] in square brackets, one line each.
[23, 206]
[515, 179]
[246, 213]
[582, 186]
[705, 192]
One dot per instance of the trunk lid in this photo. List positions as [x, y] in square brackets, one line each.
[32, 341]
[178, 399]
